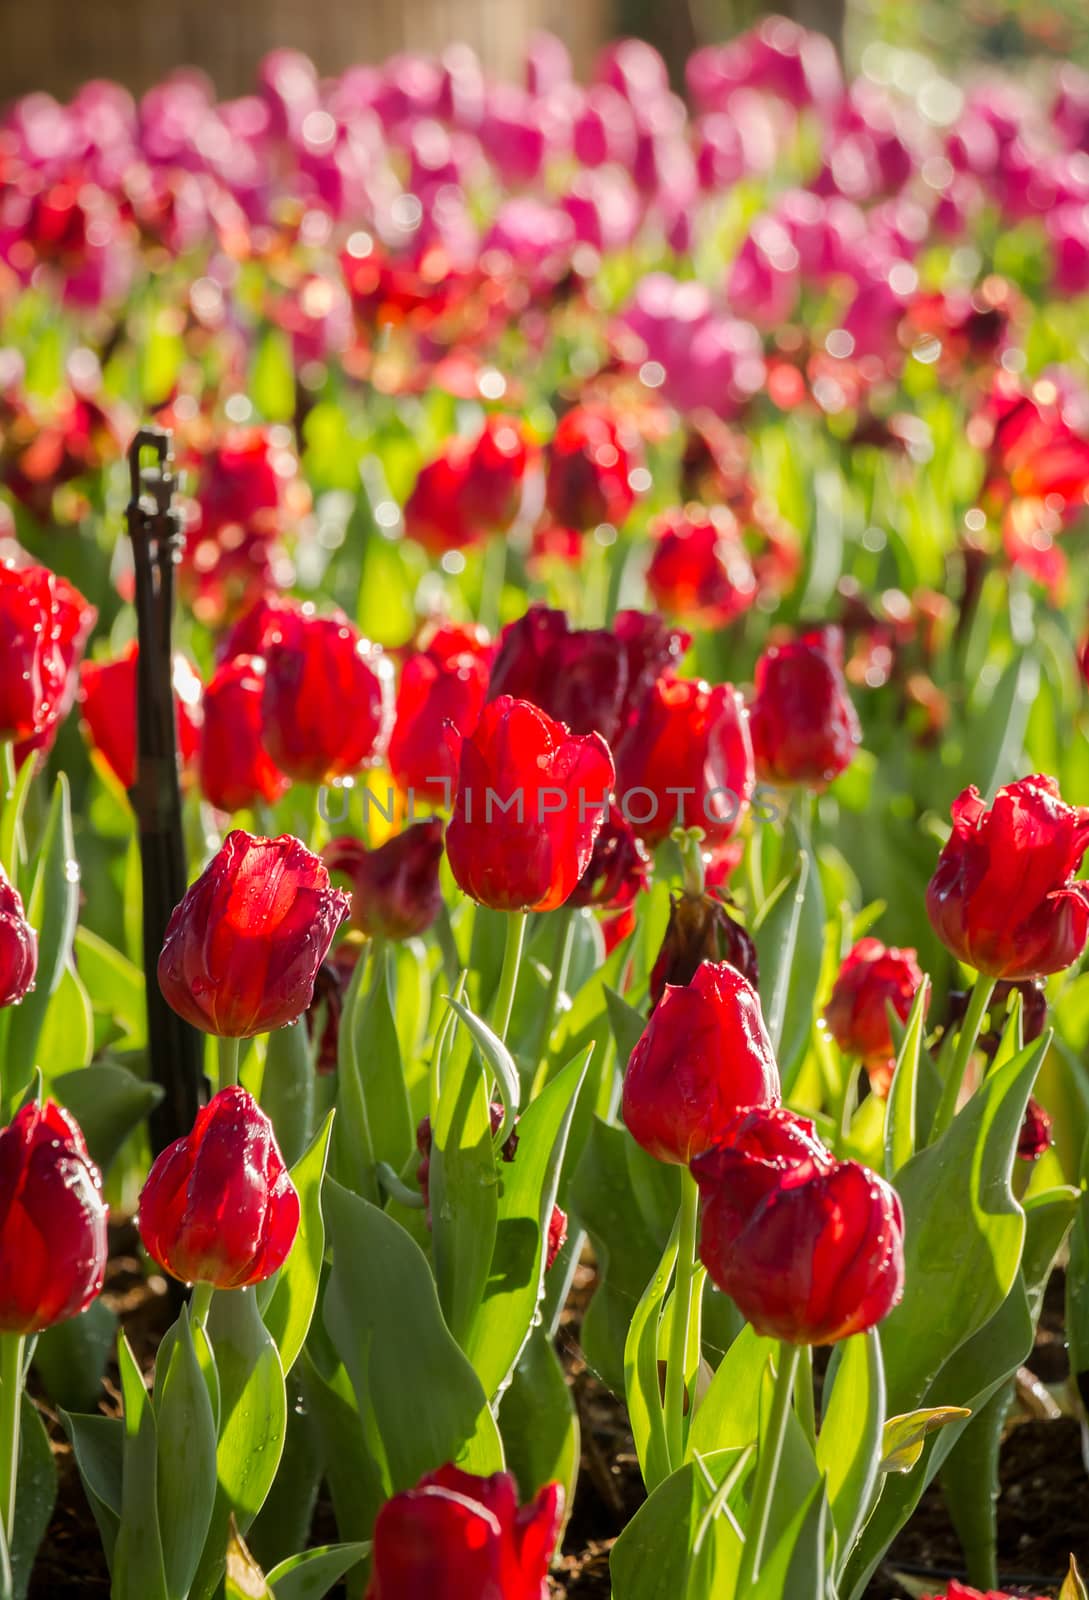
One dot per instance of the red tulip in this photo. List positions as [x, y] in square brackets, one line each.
[219, 1206]
[44, 625]
[471, 489]
[1035, 1139]
[445, 681]
[804, 727]
[18, 945]
[872, 977]
[589, 471]
[395, 888]
[245, 481]
[243, 946]
[108, 708]
[256, 628]
[699, 567]
[1003, 897]
[434, 514]
[457, 1536]
[530, 803]
[75, 620]
[52, 1221]
[809, 1248]
[700, 929]
[236, 771]
[961, 1591]
[618, 869]
[703, 1055]
[686, 761]
[328, 703]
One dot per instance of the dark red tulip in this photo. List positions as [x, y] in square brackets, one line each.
[872, 977]
[52, 1221]
[810, 1249]
[804, 727]
[701, 929]
[703, 1056]
[589, 471]
[236, 771]
[592, 679]
[699, 566]
[1034, 1140]
[219, 1205]
[44, 625]
[330, 988]
[18, 945]
[107, 693]
[328, 703]
[618, 869]
[1003, 897]
[529, 806]
[457, 1536]
[395, 888]
[444, 681]
[686, 761]
[243, 947]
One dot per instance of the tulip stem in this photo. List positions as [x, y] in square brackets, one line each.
[11, 1395]
[803, 1394]
[767, 1470]
[693, 872]
[493, 577]
[978, 1002]
[564, 919]
[200, 1303]
[228, 1062]
[508, 977]
[687, 1281]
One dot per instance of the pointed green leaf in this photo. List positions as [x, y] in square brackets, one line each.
[288, 1305]
[52, 907]
[901, 1136]
[501, 1063]
[138, 1572]
[850, 1434]
[186, 1471]
[312, 1574]
[902, 1438]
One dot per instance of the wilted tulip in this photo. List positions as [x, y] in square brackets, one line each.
[700, 928]
[457, 1535]
[243, 946]
[219, 1206]
[52, 1221]
[18, 945]
[1003, 897]
[395, 888]
[804, 727]
[44, 624]
[872, 977]
[809, 1248]
[328, 700]
[618, 869]
[703, 1056]
[107, 695]
[236, 771]
[530, 803]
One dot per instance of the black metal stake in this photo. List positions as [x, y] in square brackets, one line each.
[174, 1047]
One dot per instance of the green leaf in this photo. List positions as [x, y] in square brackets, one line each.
[1077, 1286]
[67, 1036]
[51, 907]
[527, 1195]
[186, 1476]
[287, 1089]
[35, 1495]
[790, 943]
[902, 1438]
[382, 1314]
[354, 1464]
[98, 1445]
[539, 1422]
[1074, 1584]
[641, 1382]
[116, 986]
[138, 1570]
[795, 1568]
[851, 1431]
[312, 1574]
[729, 1413]
[108, 1103]
[498, 1058]
[288, 1306]
[70, 1357]
[901, 1116]
[627, 1025]
[653, 1559]
[374, 1121]
[272, 378]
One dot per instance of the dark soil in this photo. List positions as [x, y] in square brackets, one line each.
[1043, 1511]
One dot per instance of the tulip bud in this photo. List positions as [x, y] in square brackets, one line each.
[236, 771]
[872, 977]
[18, 946]
[1003, 897]
[457, 1535]
[242, 948]
[395, 888]
[52, 1221]
[529, 806]
[328, 700]
[804, 727]
[809, 1248]
[704, 1055]
[700, 928]
[219, 1206]
[589, 470]
[1034, 1140]
[44, 624]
